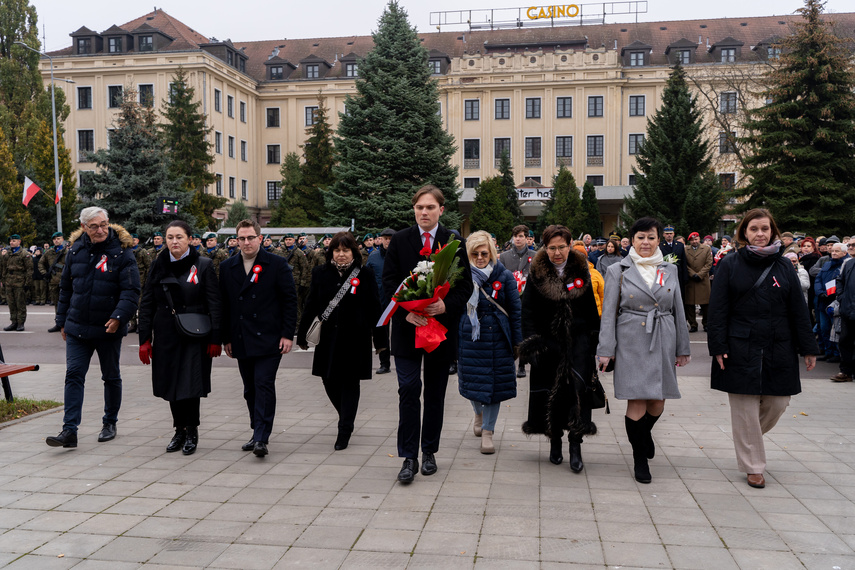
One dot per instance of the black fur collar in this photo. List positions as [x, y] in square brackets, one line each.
[544, 276]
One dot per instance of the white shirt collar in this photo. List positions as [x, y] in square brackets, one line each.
[172, 257]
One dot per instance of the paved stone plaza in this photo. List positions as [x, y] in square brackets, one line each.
[128, 504]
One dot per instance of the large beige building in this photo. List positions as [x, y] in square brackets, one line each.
[570, 94]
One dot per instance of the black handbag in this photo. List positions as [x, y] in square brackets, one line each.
[192, 325]
[597, 394]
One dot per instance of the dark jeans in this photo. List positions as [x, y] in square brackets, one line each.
[259, 391]
[344, 396]
[410, 421]
[846, 345]
[185, 413]
[78, 355]
[825, 323]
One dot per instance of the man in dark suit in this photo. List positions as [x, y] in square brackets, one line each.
[670, 245]
[259, 319]
[402, 256]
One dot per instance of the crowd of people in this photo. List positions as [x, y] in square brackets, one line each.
[572, 310]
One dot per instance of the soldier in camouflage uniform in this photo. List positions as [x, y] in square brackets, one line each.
[267, 245]
[50, 266]
[232, 246]
[213, 251]
[157, 240]
[143, 264]
[17, 276]
[367, 246]
[319, 255]
[300, 268]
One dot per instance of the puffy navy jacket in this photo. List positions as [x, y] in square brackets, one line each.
[485, 369]
[90, 296]
[828, 273]
[375, 262]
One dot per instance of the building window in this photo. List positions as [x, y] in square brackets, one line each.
[275, 72]
[435, 66]
[502, 146]
[564, 151]
[230, 106]
[241, 65]
[274, 190]
[635, 142]
[84, 97]
[636, 58]
[595, 106]
[231, 147]
[631, 180]
[565, 107]
[146, 43]
[85, 145]
[242, 111]
[532, 108]
[532, 148]
[773, 52]
[503, 108]
[219, 183]
[312, 71]
[726, 143]
[351, 70]
[728, 181]
[273, 154]
[114, 96]
[114, 45]
[311, 116]
[273, 117]
[636, 105]
[684, 57]
[243, 190]
[218, 106]
[218, 142]
[532, 178]
[231, 186]
[84, 178]
[471, 149]
[727, 103]
[728, 55]
[243, 150]
[595, 150]
[595, 179]
[84, 45]
[471, 182]
[472, 110]
[147, 95]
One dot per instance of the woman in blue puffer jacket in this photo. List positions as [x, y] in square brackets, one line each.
[489, 334]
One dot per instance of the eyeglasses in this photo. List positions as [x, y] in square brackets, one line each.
[851, 245]
[96, 227]
[247, 238]
[557, 248]
[479, 254]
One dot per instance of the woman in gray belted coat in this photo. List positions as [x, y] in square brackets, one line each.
[643, 329]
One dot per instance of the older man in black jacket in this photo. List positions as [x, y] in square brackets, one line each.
[98, 294]
[402, 257]
[259, 319]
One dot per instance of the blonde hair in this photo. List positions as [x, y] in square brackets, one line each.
[478, 239]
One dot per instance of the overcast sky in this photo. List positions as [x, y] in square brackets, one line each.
[247, 20]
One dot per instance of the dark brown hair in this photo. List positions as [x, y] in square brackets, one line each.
[180, 224]
[555, 231]
[615, 243]
[433, 191]
[522, 228]
[346, 240]
[645, 225]
[752, 215]
[248, 224]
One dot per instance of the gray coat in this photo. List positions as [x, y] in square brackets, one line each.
[652, 330]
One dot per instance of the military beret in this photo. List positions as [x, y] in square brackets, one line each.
[197, 236]
[267, 236]
[668, 229]
[14, 236]
[157, 234]
[368, 236]
[232, 236]
[388, 232]
[327, 236]
[707, 238]
[530, 233]
[209, 235]
[286, 236]
[59, 234]
[302, 234]
[694, 234]
[492, 235]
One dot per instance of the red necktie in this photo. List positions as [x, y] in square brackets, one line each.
[427, 239]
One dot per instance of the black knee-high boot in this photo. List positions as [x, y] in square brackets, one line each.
[555, 455]
[637, 432]
[649, 421]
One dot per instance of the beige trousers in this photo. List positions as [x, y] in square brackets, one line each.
[750, 417]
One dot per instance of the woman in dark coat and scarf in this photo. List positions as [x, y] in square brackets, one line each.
[488, 334]
[343, 355]
[757, 328]
[181, 365]
[560, 324]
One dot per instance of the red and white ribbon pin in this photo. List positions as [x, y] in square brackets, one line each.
[192, 278]
[102, 265]
[775, 282]
[354, 283]
[497, 286]
[576, 284]
[255, 271]
[660, 277]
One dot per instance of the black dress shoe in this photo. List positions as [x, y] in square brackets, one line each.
[693, 329]
[248, 446]
[408, 470]
[177, 441]
[453, 368]
[192, 440]
[260, 449]
[342, 440]
[20, 328]
[383, 370]
[66, 438]
[11, 327]
[576, 464]
[428, 463]
[555, 455]
[108, 432]
[521, 371]
[54, 328]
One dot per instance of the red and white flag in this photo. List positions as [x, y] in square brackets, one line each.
[30, 190]
[831, 287]
[58, 192]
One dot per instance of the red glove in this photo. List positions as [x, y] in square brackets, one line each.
[214, 350]
[145, 352]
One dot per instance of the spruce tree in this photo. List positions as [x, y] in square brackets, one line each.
[133, 174]
[802, 164]
[591, 223]
[317, 170]
[564, 207]
[288, 212]
[489, 210]
[507, 174]
[40, 169]
[392, 140]
[673, 164]
[236, 212]
[15, 218]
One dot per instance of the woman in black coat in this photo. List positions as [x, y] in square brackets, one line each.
[181, 370]
[343, 355]
[560, 325]
[758, 325]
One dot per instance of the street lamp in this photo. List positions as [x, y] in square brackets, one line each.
[53, 116]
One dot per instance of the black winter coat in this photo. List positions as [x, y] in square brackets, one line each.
[181, 367]
[344, 352]
[846, 290]
[762, 335]
[88, 296]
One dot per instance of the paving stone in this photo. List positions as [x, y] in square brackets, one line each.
[23, 541]
[37, 562]
[335, 537]
[129, 549]
[75, 545]
[249, 557]
[447, 544]
[387, 540]
[701, 557]
[634, 554]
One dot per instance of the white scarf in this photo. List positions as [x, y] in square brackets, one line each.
[647, 265]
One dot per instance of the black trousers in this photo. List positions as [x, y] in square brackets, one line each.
[846, 345]
[385, 355]
[185, 413]
[410, 420]
[344, 396]
[259, 391]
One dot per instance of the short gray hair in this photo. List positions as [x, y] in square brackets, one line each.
[840, 246]
[87, 214]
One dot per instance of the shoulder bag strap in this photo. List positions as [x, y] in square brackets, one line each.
[498, 306]
[757, 284]
[339, 296]
[168, 297]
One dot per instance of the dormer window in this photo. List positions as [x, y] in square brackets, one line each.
[312, 71]
[728, 55]
[684, 56]
[275, 72]
[114, 45]
[146, 43]
[435, 66]
[351, 70]
[773, 52]
[636, 58]
[230, 58]
[241, 65]
[84, 45]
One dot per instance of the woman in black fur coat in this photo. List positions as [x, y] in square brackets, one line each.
[560, 324]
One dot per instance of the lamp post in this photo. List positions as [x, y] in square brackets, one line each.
[55, 148]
